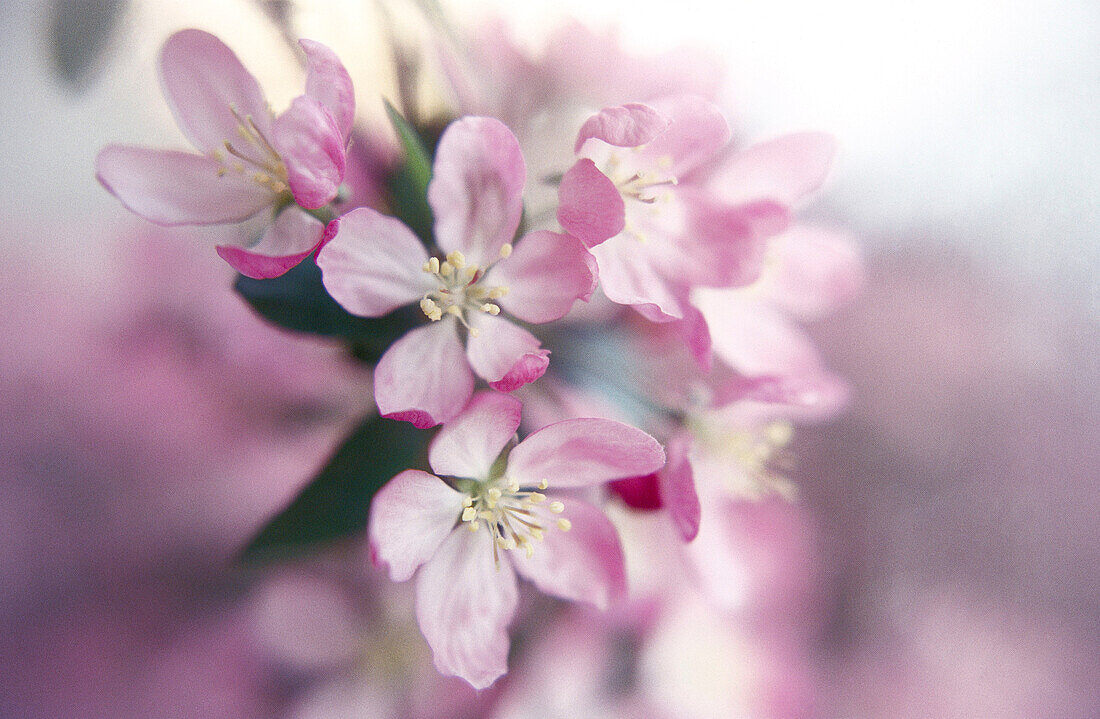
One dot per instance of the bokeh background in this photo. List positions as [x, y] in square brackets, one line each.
[149, 422]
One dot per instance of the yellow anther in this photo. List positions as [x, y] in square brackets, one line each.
[485, 514]
[506, 543]
[474, 525]
[490, 308]
[564, 524]
[431, 309]
[536, 533]
[446, 269]
[432, 265]
[497, 292]
[529, 550]
[467, 501]
[494, 493]
[505, 250]
[557, 507]
[513, 486]
[457, 259]
[469, 514]
[454, 310]
[261, 177]
[535, 498]
[544, 484]
[474, 332]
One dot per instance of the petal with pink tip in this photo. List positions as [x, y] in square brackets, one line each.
[584, 564]
[328, 82]
[504, 354]
[476, 188]
[628, 278]
[313, 150]
[583, 452]
[785, 169]
[545, 274]
[424, 378]
[409, 518]
[285, 243]
[464, 603]
[590, 207]
[697, 131]
[169, 187]
[373, 264]
[677, 488]
[628, 125]
[202, 79]
[468, 445]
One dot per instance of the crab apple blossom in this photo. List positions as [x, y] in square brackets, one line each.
[474, 286]
[271, 174]
[496, 517]
[638, 198]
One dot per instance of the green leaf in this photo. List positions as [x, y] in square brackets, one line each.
[409, 184]
[335, 504]
[299, 301]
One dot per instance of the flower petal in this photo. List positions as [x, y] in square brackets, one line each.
[545, 274]
[409, 518]
[169, 187]
[785, 169]
[328, 82]
[312, 148]
[628, 125]
[811, 271]
[696, 132]
[373, 263]
[590, 207]
[464, 602]
[285, 243]
[628, 278]
[476, 188]
[202, 78]
[582, 452]
[504, 354]
[584, 564]
[677, 488]
[423, 377]
[468, 445]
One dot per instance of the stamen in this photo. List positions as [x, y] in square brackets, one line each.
[457, 259]
[564, 524]
[505, 251]
[490, 308]
[557, 507]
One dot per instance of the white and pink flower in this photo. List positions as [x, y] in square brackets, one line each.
[471, 535]
[474, 286]
[264, 171]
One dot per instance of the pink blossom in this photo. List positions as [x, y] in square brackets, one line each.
[462, 535]
[637, 197]
[473, 288]
[267, 172]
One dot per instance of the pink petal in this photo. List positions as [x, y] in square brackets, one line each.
[545, 274]
[504, 354]
[677, 487]
[476, 188]
[178, 188]
[464, 603]
[638, 492]
[785, 169]
[373, 264]
[697, 131]
[628, 278]
[202, 78]
[313, 150]
[285, 243]
[468, 445]
[582, 452]
[811, 271]
[329, 83]
[695, 333]
[409, 518]
[590, 206]
[584, 564]
[629, 125]
[423, 377]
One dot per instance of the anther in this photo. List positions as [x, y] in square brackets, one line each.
[564, 524]
[469, 514]
[557, 507]
[490, 308]
[544, 484]
[505, 251]
[457, 259]
[446, 269]
[432, 265]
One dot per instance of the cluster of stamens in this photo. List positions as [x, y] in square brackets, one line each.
[459, 290]
[764, 457]
[639, 185]
[265, 167]
[510, 516]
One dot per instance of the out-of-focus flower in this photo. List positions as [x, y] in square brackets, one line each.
[466, 588]
[271, 173]
[375, 264]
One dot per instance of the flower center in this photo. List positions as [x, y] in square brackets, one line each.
[760, 454]
[253, 155]
[513, 515]
[460, 289]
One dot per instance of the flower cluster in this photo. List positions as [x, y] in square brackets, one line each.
[670, 392]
